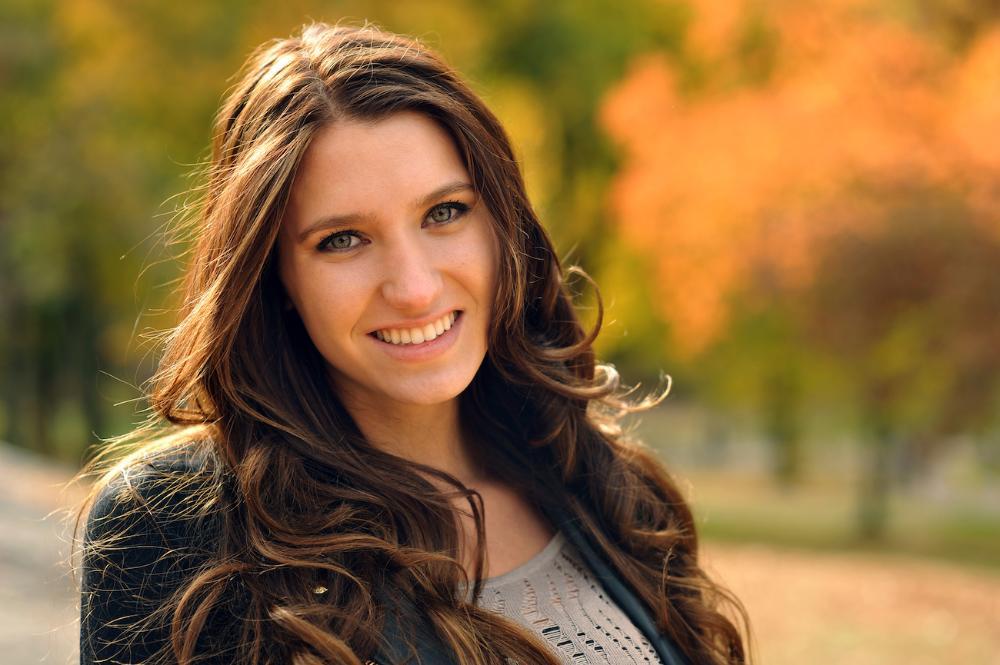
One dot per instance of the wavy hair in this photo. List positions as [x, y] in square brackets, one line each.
[301, 499]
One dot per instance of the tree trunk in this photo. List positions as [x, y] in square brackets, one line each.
[782, 424]
[873, 496]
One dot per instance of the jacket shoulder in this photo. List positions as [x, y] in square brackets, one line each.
[148, 531]
[160, 500]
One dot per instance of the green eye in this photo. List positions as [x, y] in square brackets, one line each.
[447, 212]
[339, 242]
[442, 214]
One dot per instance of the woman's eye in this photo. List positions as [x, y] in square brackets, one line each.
[340, 241]
[447, 212]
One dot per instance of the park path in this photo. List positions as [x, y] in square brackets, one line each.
[38, 611]
[806, 607]
[836, 608]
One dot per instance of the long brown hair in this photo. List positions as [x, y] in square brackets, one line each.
[302, 500]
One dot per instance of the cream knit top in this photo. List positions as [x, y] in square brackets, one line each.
[555, 595]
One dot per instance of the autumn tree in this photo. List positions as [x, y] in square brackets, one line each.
[911, 309]
[748, 153]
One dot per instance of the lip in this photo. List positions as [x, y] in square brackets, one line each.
[414, 323]
[424, 350]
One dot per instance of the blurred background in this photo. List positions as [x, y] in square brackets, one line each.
[791, 207]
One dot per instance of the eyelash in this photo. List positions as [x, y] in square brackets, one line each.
[459, 208]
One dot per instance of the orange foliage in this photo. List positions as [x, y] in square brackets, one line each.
[725, 179]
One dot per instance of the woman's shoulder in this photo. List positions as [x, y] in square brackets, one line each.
[164, 498]
[152, 525]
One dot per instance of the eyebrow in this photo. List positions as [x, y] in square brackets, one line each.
[361, 218]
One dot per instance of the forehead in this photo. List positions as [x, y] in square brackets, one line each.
[363, 166]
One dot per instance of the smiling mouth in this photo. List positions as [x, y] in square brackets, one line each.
[418, 336]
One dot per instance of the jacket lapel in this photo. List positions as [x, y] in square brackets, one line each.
[404, 623]
[619, 592]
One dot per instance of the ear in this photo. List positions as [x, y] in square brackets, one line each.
[282, 294]
[286, 301]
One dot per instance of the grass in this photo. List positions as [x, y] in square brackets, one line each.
[735, 500]
[740, 508]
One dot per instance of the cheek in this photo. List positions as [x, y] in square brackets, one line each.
[471, 271]
[482, 261]
[330, 304]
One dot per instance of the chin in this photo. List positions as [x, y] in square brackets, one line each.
[424, 388]
[431, 390]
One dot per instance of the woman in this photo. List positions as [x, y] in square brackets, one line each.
[388, 437]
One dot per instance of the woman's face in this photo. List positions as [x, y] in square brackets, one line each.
[390, 260]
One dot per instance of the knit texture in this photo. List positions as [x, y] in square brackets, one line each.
[555, 595]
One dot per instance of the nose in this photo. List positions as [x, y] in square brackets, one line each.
[412, 283]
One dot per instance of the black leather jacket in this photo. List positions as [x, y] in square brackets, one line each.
[155, 551]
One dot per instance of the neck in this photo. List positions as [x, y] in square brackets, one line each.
[426, 434]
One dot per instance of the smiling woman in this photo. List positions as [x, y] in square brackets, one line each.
[387, 435]
[422, 252]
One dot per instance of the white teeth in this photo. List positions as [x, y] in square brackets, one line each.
[417, 335]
